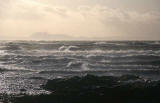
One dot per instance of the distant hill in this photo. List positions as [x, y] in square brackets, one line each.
[47, 36]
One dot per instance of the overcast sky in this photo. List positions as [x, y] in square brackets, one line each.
[78, 19]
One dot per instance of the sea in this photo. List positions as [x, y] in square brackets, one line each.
[25, 66]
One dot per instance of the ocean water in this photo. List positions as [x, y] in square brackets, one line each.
[27, 65]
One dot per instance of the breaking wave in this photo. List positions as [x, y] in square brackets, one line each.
[67, 48]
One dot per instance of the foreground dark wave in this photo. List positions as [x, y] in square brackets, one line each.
[95, 89]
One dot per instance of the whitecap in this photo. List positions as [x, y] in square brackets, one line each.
[90, 55]
[106, 61]
[98, 43]
[73, 63]
[85, 67]
[67, 48]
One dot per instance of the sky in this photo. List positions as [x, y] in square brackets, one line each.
[80, 19]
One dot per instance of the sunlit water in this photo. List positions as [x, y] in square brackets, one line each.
[27, 65]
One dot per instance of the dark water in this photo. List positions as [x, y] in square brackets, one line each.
[26, 65]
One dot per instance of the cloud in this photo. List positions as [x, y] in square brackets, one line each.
[87, 19]
[103, 12]
[29, 9]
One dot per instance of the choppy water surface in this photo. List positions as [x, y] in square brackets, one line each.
[26, 65]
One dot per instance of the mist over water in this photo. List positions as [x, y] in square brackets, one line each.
[26, 65]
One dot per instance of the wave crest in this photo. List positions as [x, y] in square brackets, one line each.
[67, 48]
